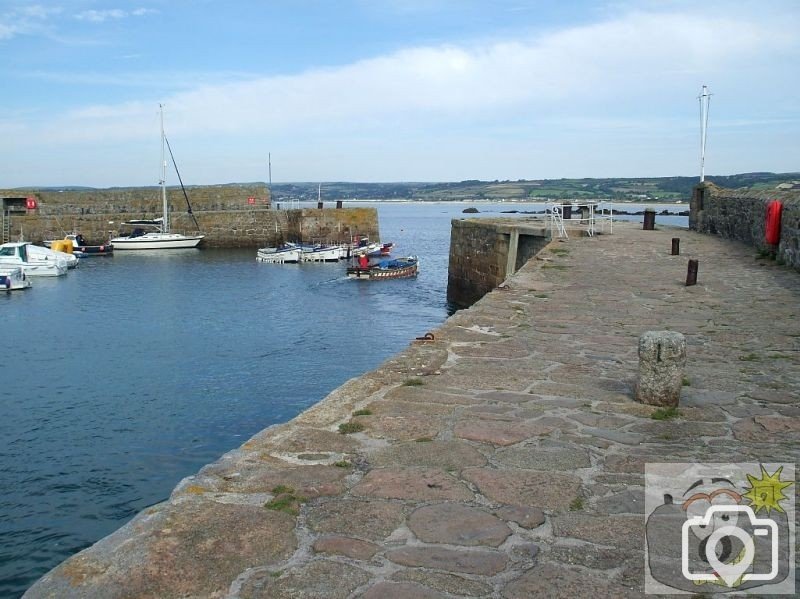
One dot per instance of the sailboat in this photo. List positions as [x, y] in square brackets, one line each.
[162, 238]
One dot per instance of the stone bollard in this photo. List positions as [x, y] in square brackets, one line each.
[662, 358]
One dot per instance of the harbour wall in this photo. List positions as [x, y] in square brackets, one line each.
[230, 215]
[741, 215]
[483, 253]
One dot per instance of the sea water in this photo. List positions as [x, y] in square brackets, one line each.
[135, 370]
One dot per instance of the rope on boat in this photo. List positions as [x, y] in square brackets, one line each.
[175, 164]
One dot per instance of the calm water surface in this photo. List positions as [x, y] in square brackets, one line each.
[134, 371]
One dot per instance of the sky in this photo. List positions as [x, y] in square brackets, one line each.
[394, 90]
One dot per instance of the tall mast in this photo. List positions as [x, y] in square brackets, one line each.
[705, 100]
[163, 182]
[269, 162]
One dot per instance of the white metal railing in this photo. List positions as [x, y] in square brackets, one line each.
[581, 213]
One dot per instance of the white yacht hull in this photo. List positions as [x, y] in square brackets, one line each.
[157, 241]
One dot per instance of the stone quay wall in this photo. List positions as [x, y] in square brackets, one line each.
[483, 253]
[503, 457]
[229, 215]
[741, 215]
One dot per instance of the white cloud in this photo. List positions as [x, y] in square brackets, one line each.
[25, 20]
[112, 14]
[620, 62]
[624, 80]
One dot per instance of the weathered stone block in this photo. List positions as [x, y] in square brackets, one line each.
[662, 358]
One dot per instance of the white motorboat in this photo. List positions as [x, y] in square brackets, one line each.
[321, 253]
[163, 238]
[38, 252]
[287, 253]
[15, 254]
[12, 279]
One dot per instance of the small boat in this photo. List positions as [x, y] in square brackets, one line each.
[13, 278]
[399, 268]
[163, 238]
[321, 253]
[80, 247]
[15, 254]
[362, 246]
[383, 249]
[288, 253]
[38, 252]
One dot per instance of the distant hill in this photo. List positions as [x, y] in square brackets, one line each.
[651, 189]
[647, 189]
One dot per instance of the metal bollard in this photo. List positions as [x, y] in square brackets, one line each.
[691, 273]
[338, 203]
[662, 358]
[676, 246]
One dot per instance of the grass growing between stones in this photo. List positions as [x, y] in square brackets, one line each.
[556, 266]
[576, 504]
[364, 412]
[415, 382]
[342, 464]
[560, 251]
[347, 428]
[666, 413]
[751, 357]
[285, 500]
[686, 382]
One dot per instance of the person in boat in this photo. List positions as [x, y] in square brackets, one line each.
[81, 241]
[363, 261]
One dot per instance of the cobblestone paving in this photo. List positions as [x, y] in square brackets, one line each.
[503, 459]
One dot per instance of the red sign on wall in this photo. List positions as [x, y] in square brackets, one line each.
[30, 203]
[251, 201]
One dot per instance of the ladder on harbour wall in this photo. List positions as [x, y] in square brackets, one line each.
[6, 227]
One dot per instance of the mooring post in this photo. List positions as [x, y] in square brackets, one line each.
[691, 273]
[649, 220]
[662, 358]
[319, 205]
[676, 246]
[338, 203]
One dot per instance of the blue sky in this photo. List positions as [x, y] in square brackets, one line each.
[394, 90]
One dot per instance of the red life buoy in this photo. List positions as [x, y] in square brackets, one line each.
[772, 228]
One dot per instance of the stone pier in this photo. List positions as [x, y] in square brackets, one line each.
[504, 458]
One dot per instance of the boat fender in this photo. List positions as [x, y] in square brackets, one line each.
[8, 283]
